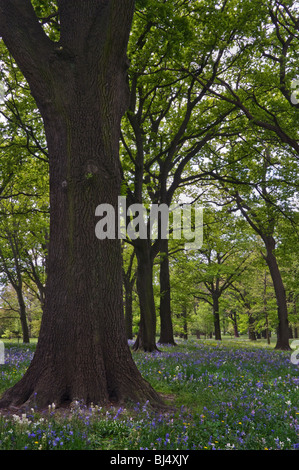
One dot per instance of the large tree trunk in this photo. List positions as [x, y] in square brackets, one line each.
[146, 338]
[166, 328]
[128, 282]
[82, 352]
[281, 300]
[128, 286]
[129, 313]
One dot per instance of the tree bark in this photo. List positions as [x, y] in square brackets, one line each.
[281, 300]
[215, 298]
[251, 326]
[129, 313]
[267, 332]
[185, 322]
[146, 338]
[80, 88]
[235, 323]
[166, 328]
[23, 316]
[128, 283]
[128, 286]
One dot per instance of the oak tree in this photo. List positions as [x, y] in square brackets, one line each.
[79, 83]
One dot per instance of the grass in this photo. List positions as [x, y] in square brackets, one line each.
[227, 395]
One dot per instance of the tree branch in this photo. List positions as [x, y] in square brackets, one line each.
[24, 37]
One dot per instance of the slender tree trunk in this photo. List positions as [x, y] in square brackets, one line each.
[185, 322]
[215, 298]
[251, 326]
[15, 279]
[283, 327]
[80, 89]
[269, 241]
[166, 328]
[129, 280]
[146, 338]
[266, 310]
[23, 317]
[235, 323]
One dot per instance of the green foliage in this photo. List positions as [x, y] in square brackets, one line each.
[220, 71]
[24, 200]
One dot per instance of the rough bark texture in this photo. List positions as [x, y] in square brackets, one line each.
[215, 298]
[251, 327]
[166, 328]
[146, 338]
[23, 317]
[80, 88]
[281, 300]
[129, 279]
[129, 314]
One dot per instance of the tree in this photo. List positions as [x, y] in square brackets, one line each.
[252, 298]
[24, 189]
[262, 83]
[222, 259]
[179, 51]
[266, 232]
[181, 282]
[129, 279]
[166, 327]
[22, 256]
[287, 255]
[260, 185]
[10, 321]
[11, 266]
[79, 85]
[203, 320]
[23, 225]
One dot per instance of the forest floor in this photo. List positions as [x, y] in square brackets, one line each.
[228, 395]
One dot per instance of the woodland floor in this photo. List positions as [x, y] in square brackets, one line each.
[229, 395]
